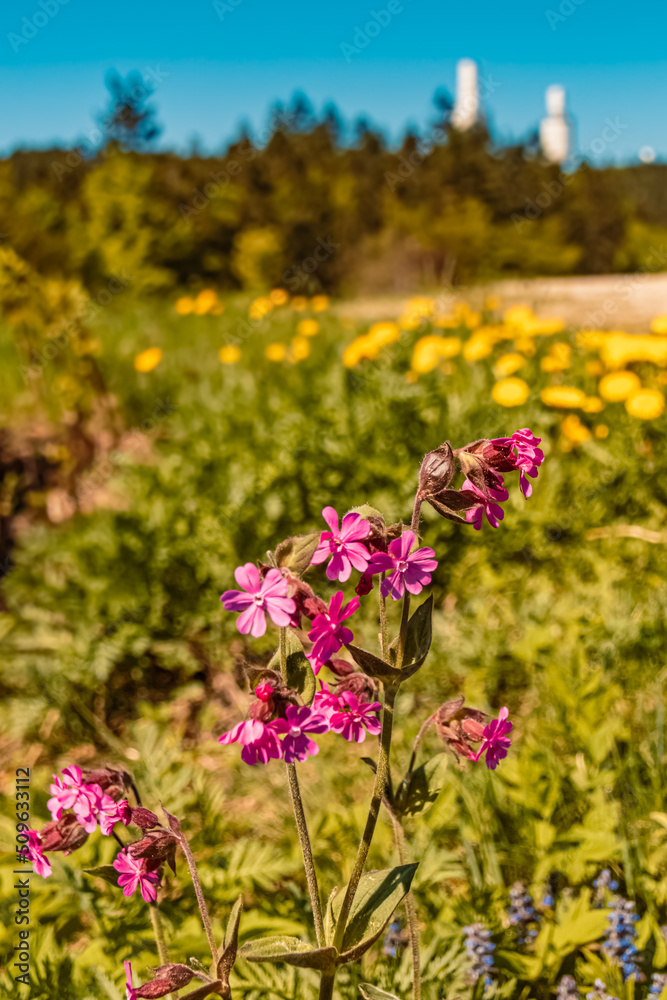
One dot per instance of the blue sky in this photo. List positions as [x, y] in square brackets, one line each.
[221, 66]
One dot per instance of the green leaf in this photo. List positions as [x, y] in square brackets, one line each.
[107, 872]
[374, 666]
[300, 674]
[369, 992]
[231, 942]
[417, 638]
[292, 950]
[295, 553]
[377, 896]
[367, 511]
[329, 920]
[421, 787]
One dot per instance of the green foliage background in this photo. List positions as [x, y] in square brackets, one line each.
[114, 647]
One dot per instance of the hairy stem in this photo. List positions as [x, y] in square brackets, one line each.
[379, 788]
[384, 631]
[416, 514]
[158, 930]
[405, 617]
[307, 852]
[410, 909]
[327, 985]
[206, 920]
[300, 820]
[419, 738]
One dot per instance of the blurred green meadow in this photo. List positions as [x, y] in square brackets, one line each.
[130, 495]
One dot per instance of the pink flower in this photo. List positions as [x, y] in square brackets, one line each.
[109, 813]
[132, 875]
[495, 741]
[296, 744]
[493, 511]
[130, 992]
[40, 864]
[407, 570]
[264, 691]
[327, 633]
[87, 806]
[259, 741]
[65, 791]
[344, 545]
[353, 717]
[258, 598]
[325, 702]
[527, 456]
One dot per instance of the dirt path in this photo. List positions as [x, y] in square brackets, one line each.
[606, 302]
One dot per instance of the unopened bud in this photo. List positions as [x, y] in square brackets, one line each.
[65, 834]
[156, 847]
[111, 780]
[143, 818]
[437, 470]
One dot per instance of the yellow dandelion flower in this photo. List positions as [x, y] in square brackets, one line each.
[279, 296]
[510, 392]
[592, 404]
[275, 352]
[594, 368]
[260, 307]
[518, 315]
[492, 303]
[558, 358]
[300, 348]
[307, 327]
[319, 303]
[619, 349]
[659, 324]
[617, 386]
[205, 301]
[229, 354]
[420, 305]
[362, 347]
[590, 340]
[646, 404]
[573, 429]
[184, 305]
[479, 345]
[410, 321]
[507, 364]
[147, 360]
[384, 333]
[299, 303]
[601, 431]
[526, 345]
[430, 350]
[544, 327]
[564, 396]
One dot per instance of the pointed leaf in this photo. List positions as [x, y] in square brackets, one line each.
[206, 991]
[300, 674]
[377, 896]
[292, 950]
[367, 511]
[329, 920]
[369, 992]
[373, 665]
[107, 872]
[231, 942]
[421, 787]
[446, 512]
[296, 553]
[418, 638]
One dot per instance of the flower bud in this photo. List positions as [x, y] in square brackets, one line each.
[143, 818]
[358, 684]
[437, 470]
[111, 780]
[156, 847]
[65, 834]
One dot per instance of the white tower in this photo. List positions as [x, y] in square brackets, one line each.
[466, 105]
[555, 129]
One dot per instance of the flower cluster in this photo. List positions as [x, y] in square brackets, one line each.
[140, 864]
[92, 799]
[521, 912]
[620, 936]
[480, 948]
[281, 730]
[461, 728]
[519, 453]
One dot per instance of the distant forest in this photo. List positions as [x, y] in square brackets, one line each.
[295, 205]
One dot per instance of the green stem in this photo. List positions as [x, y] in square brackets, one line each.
[384, 631]
[300, 820]
[158, 931]
[206, 920]
[410, 910]
[306, 851]
[327, 985]
[379, 788]
[405, 617]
